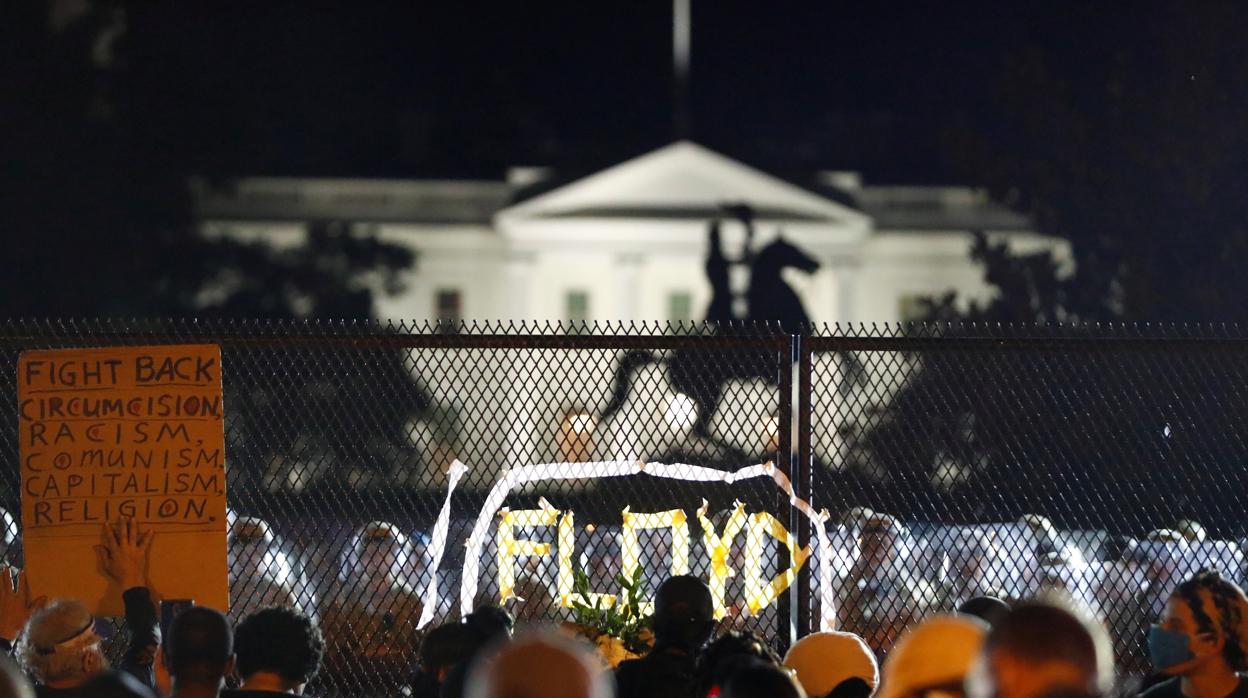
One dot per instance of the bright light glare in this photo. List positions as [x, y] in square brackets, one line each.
[581, 423]
[682, 412]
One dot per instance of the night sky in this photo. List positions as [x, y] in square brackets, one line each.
[1123, 132]
[466, 89]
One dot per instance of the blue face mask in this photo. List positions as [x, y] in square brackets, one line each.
[1167, 648]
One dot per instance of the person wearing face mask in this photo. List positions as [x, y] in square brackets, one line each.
[972, 556]
[882, 593]
[260, 573]
[373, 626]
[1200, 641]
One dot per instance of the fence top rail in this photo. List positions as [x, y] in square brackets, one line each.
[608, 335]
[1004, 336]
[390, 334]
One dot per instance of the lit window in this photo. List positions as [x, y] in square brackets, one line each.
[448, 307]
[679, 306]
[912, 307]
[576, 309]
[576, 437]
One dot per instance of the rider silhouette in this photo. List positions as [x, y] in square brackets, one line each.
[717, 268]
[769, 299]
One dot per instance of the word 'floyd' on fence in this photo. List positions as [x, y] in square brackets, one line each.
[757, 526]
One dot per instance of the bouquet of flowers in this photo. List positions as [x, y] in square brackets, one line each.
[619, 630]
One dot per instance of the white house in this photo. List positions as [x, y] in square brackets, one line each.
[629, 242]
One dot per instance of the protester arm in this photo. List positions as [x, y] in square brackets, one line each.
[124, 558]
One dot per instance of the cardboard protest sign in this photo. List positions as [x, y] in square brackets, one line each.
[123, 432]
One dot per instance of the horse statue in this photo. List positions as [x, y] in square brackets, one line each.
[769, 299]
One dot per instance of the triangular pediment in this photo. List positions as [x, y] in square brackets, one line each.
[682, 180]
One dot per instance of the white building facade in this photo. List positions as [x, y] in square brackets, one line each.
[629, 243]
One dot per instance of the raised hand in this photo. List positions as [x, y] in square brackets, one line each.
[123, 557]
[16, 606]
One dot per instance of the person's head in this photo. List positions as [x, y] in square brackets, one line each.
[280, 645]
[116, 684]
[989, 609]
[1115, 548]
[490, 622]
[1191, 531]
[381, 552]
[854, 518]
[761, 680]
[684, 613]
[1201, 629]
[1039, 649]
[880, 539]
[1044, 533]
[200, 648]
[724, 655]
[13, 683]
[970, 554]
[248, 530]
[59, 646]
[834, 664]
[1165, 535]
[447, 645]
[932, 659]
[1158, 559]
[544, 665]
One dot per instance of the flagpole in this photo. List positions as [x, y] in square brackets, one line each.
[682, 39]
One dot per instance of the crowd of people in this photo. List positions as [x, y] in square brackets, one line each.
[367, 592]
[894, 575]
[1048, 647]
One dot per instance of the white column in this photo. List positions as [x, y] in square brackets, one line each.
[848, 275]
[520, 266]
[520, 277]
[628, 278]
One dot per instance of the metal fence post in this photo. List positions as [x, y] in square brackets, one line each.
[789, 607]
[802, 482]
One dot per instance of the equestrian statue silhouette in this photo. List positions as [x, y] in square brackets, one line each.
[701, 375]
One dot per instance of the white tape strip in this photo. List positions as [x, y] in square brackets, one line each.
[674, 471]
[827, 599]
[437, 544]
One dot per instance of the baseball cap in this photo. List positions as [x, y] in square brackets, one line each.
[824, 660]
[937, 652]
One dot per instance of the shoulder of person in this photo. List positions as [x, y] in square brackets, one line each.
[1165, 689]
[240, 693]
[628, 666]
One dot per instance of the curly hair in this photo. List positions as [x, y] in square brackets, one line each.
[281, 640]
[1208, 592]
[727, 653]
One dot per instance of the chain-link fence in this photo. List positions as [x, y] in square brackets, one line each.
[954, 462]
[1104, 462]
